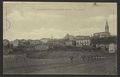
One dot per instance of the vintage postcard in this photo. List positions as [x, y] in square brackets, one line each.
[75, 38]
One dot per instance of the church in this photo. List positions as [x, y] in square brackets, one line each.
[106, 33]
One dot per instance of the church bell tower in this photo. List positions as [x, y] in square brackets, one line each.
[107, 27]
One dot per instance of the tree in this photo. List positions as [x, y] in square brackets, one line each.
[104, 40]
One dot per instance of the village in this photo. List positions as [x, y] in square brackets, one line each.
[100, 40]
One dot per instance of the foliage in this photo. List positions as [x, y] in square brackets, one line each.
[105, 40]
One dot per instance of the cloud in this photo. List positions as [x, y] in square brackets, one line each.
[15, 15]
[44, 33]
[29, 22]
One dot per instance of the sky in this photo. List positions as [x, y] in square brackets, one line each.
[36, 20]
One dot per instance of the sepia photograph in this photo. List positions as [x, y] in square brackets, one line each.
[63, 38]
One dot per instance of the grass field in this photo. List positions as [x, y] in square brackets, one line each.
[59, 63]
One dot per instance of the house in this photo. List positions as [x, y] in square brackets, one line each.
[101, 34]
[82, 41]
[34, 42]
[69, 40]
[69, 37]
[59, 42]
[22, 42]
[18, 42]
[112, 48]
[15, 43]
[56, 42]
[5, 42]
[45, 40]
[69, 43]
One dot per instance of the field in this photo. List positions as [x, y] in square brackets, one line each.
[60, 63]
